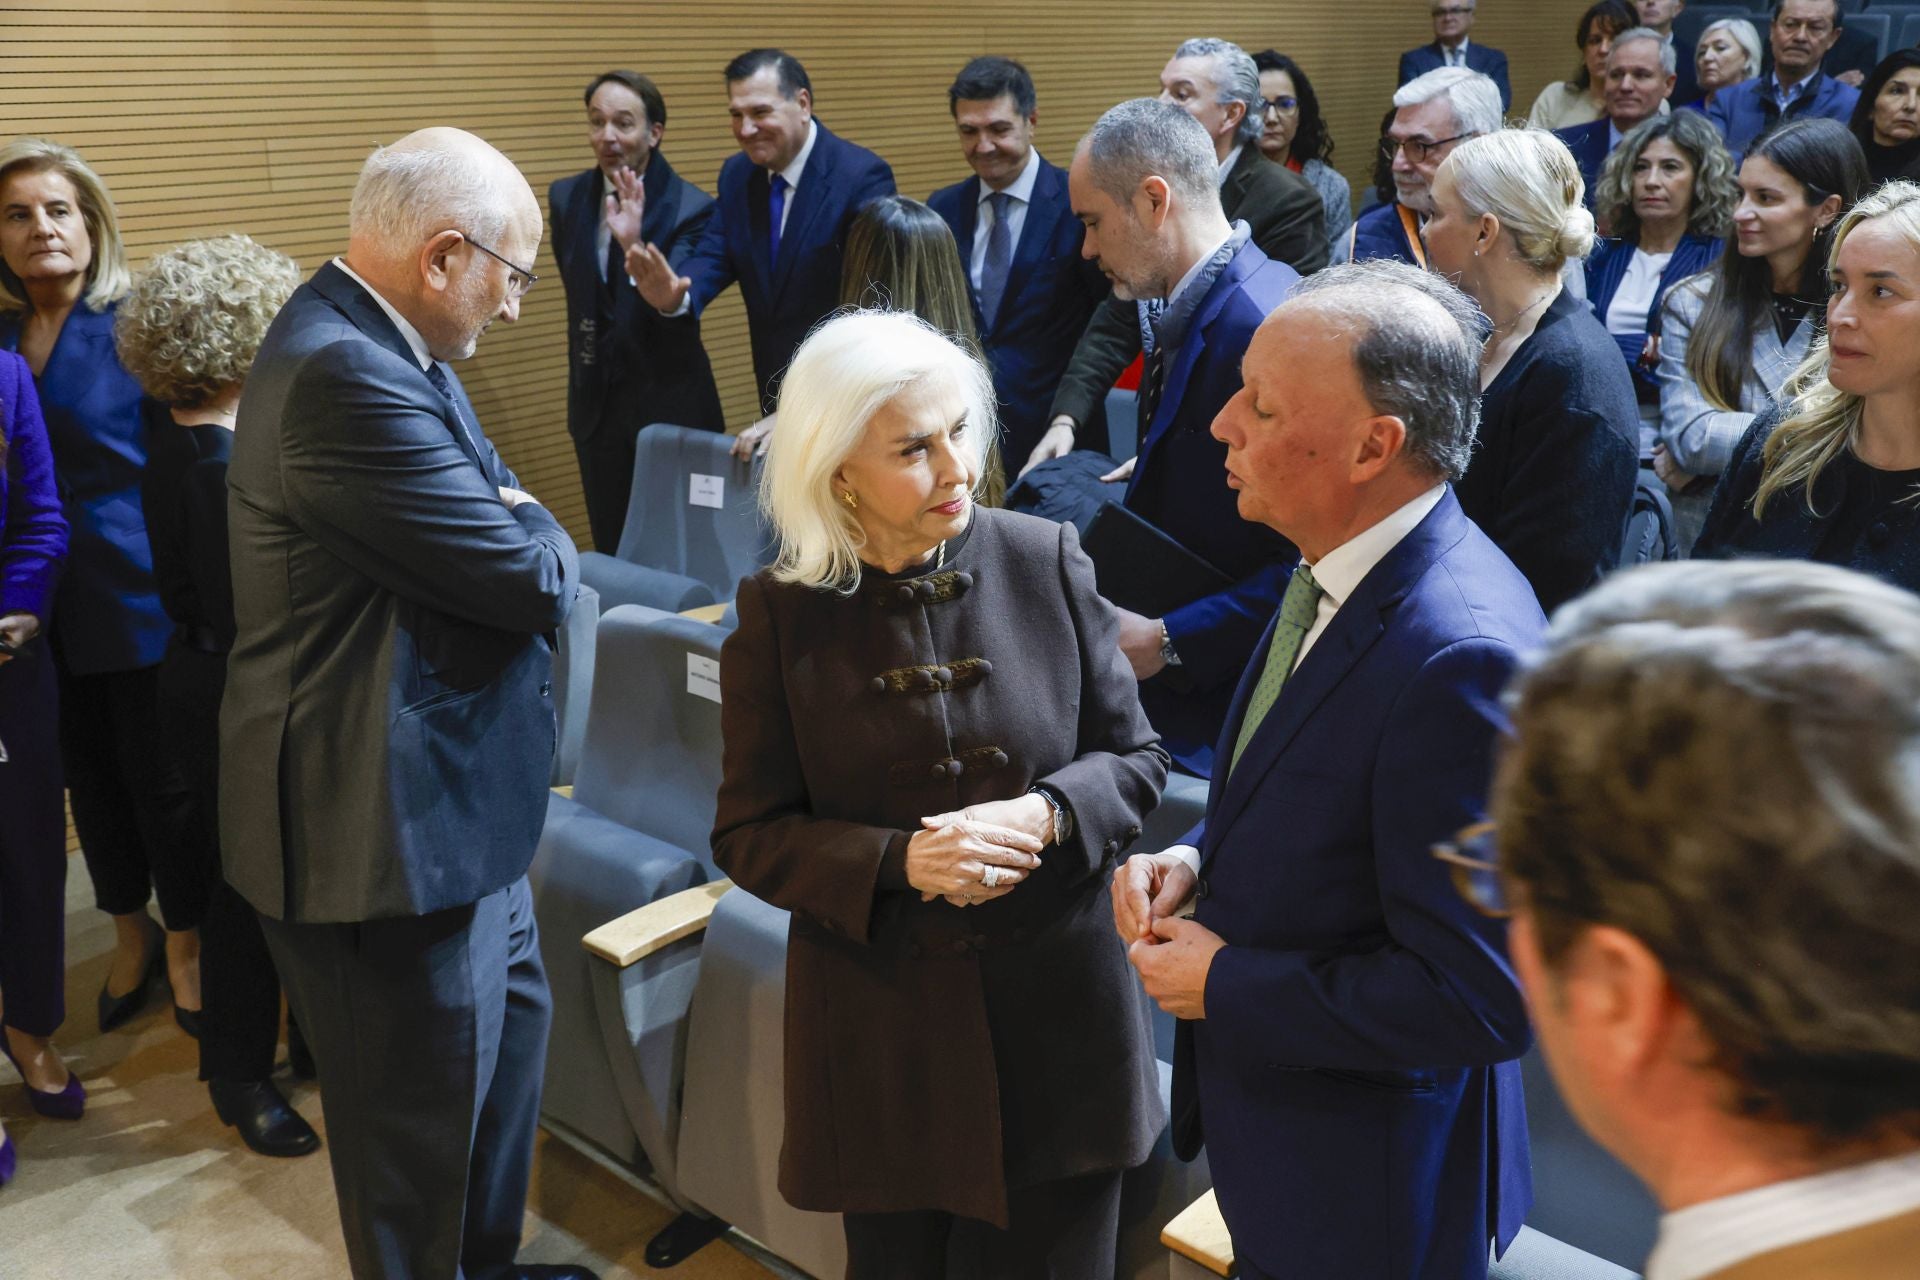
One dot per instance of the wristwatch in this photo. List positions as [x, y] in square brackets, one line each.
[1062, 816]
[1167, 655]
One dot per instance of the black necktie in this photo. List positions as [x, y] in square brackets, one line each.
[1153, 381]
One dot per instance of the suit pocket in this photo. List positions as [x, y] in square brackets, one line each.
[1383, 1081]
[445, 697]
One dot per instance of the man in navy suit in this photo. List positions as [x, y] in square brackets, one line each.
[1452, 20]
[1800, 36]
[387, 731]
[1349, 1024]
[1145, 185]
[1639, 77]
[779, 227]
[628, 366]
[1020, 243]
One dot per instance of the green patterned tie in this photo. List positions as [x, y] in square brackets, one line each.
[1298, 608]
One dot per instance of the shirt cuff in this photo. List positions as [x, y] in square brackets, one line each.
[1189, 855]
[686, 305]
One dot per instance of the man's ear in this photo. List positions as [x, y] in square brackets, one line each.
[1383, 439]
[1152, 200]
[436, 259]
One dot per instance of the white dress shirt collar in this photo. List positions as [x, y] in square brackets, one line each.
[1345, 567]
[1455, 56]
[1021, 188]
[1193, 272]
[417, 343]
[793, 171]
[1233, 158]
[1706, 1238]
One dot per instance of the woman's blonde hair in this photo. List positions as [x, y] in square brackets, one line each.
[851, 366]
[1825, 420]
[107, 274]
[1527, 179]
[195, 317]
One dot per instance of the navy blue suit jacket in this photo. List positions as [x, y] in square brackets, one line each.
[1180, 485]
[785, 299]
[1490, 63]
[1591, 144]
[106, 611]
[1051, 294]
[1355, 1077]
[1744, 111]
[628, 365]
[1381, 232]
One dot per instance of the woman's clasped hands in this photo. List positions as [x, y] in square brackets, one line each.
[979, 853]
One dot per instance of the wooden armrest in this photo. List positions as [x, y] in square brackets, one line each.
[705, 613]
[1200, 1233]
[566, 791]
[644, 930]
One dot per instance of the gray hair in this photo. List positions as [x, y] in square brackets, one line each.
[1669, 60]
[1723, 760]
[1416, 347]
[1744, 34]
[1144, 137]
[408, 195]
[1237, 78]
[1475, 99]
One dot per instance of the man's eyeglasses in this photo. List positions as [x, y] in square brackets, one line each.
[1418, 150]
[1453, 11]
[520, 281]
[1282, 105]
[1472, 858]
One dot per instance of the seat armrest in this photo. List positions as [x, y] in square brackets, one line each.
[564, 791]
[706, 613]
[641, 932]
[622, 582]
[1199, 1233]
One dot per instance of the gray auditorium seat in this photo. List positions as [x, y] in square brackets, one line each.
[1581, 1194]
[1534, 1256]
[693, 524]
[1123, 424]
[572, 683]
[634, 830]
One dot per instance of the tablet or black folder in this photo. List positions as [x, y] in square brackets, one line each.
[1138, 566]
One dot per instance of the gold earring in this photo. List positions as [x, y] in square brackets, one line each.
[846, 496]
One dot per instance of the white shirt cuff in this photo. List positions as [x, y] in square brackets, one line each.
[1189, 855]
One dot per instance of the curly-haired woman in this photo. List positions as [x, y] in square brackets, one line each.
[188, 331]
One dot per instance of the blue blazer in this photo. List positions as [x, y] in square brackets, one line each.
[1051, 294]
[33, 533]
[1591, 144]
[1607, 266]
[785, 299]
[1180, 484]
[1744, 111]
[107, 606]
[1355, 1078]
[1380, 232]
[1490, 63]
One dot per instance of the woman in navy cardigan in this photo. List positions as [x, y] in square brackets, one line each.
[62, 268]
[1667, 194]
[33, 833]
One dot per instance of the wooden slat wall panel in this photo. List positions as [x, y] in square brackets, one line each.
[254, 115]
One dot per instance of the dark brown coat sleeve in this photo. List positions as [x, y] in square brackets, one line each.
[1120, 768]
[765, 835]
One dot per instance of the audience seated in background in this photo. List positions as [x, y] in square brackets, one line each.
[1144, 185]
[1554, 462]
[1451, 47]
[1031, 291]
[779, 223]
[1705, 820]
[1886, 120]
[1727, 53]
[1330, 983]
[1216, 83]
[1639, 81]
[1432, 115]
[628, 366]
[1667, 196]
[1729, 338]
[1565, 103]
[1296, 136]
[1829, 473]
[1658, 16]
[189, 331]
[1801, 33]
[937, 796]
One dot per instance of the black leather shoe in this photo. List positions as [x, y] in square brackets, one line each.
[266, 1121]
[116, 1010]
[547, 1271]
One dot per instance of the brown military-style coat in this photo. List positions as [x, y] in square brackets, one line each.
[937, 1055]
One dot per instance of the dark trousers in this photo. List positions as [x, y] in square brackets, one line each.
[130, 803]
[33, 849]
[239, 987]
[1064, 1230]
[431, 1035]
[606, 477]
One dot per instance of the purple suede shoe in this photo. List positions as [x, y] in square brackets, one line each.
[9, 1159]
[67, 1104]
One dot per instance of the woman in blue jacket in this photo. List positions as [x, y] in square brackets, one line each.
[62, 269]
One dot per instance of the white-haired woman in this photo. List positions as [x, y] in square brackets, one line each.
[1553, 471]
[188, 332]
[1727, 52]
[1830, 473]
[934, 754]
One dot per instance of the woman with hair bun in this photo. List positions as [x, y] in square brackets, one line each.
[1553, 471]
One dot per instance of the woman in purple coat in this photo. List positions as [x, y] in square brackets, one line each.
[33, 824]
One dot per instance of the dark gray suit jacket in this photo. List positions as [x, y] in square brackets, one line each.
[388, 725]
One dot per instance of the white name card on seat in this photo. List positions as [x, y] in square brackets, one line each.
[703, 676]
[706, 491]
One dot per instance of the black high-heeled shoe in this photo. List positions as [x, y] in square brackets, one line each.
[115, 1010]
